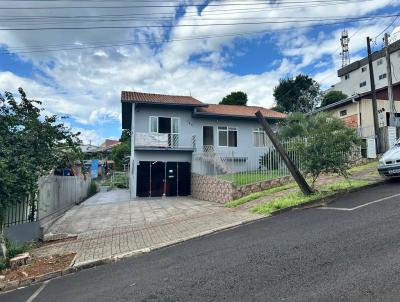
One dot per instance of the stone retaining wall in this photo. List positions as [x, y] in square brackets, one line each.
[221, 191]
[212, 188]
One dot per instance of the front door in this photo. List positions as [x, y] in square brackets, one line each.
[171, 179]
[208, 136]
[157, 179]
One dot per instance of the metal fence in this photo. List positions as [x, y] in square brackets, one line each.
[254, 164]
[22, 212]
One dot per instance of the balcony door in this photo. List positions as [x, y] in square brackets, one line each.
[208, 138]
[166, 125]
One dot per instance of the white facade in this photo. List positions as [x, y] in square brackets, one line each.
[355, 78]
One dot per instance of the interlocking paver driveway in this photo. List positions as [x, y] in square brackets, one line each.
[109, 224]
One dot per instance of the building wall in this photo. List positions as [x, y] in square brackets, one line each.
[351, 86]
[190, 126]
[361, 111]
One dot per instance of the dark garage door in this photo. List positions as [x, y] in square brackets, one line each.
[158, 178]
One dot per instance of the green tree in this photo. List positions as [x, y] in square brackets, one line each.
[235, 98]
[323, 142]
[31, 145]
[333, 96]
[299, 94]
[120, 152]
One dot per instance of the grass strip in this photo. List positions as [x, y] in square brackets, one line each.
[298, 198]
[360, 168]
[253, 196]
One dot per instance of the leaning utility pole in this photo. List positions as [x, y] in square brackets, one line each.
[392, 119]
[305, 188]
[373, 93]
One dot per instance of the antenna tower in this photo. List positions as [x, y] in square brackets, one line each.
[344, 41]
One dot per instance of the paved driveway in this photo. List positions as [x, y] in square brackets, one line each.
[113, 209]
[109, 225]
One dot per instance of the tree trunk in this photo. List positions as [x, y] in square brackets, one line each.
[3, 241]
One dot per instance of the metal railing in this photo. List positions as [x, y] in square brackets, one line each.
[165, 140]
[22, 212]
[252, 165]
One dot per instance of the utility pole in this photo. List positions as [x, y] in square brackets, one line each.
[373, 93]
[305, 188]
[392, 119]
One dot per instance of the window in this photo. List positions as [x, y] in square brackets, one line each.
[227, 136]
[362, 84]
[158, 124]
[259, 137]
[153, 122]
[364, 69]
[379, 62]
[347, 76]
[382, 76]
[343, 113]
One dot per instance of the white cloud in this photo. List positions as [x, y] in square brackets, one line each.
[86, 83]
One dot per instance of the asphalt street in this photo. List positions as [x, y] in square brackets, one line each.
[329, 254]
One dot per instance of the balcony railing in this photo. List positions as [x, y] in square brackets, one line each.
[165, 141]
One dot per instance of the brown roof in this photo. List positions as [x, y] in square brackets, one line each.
[140, 97]
[239, 111]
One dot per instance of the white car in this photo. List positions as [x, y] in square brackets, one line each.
[389, 164]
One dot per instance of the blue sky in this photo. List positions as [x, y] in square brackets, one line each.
[80, 72]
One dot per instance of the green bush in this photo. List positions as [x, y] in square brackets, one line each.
[92, 188]
[14, 248]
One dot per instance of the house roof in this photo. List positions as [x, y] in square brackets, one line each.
[237, 111]
[151, 98]
[381, 94]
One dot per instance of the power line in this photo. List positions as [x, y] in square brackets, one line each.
[130, 43]
[193, 25]
[302, 19]
[174, 6]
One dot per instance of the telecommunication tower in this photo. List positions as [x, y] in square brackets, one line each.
[344, 41]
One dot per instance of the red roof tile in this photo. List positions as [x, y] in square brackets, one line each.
[140, 97]
[239, 111]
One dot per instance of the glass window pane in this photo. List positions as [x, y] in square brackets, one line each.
[223, 138]
[232, 138]
[153, 124]
[175, 125]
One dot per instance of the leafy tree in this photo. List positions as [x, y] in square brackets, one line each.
[299, 94]
[121, 151]
[333, 96]
[31, 145]
[324, 143]
[235, 98]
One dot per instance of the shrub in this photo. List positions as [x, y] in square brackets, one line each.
[92, 188]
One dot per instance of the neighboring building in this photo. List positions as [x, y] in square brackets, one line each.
[356, 111]
[109, 143]
[168, 131]
[354, 78]
[89, 148]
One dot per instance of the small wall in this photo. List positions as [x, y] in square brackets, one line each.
[221, 191]
[260, 186]
[212, 188]
[23, 233]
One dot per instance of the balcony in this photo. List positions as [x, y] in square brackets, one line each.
[164, 141]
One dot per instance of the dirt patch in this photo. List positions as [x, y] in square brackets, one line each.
[51, 242]
[39, 266]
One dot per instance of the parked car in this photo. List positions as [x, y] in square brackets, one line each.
[389, 164]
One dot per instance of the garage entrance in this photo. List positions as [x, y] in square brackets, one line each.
[156, 179]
